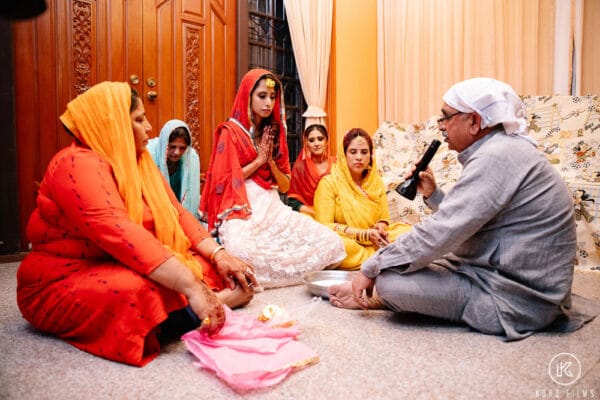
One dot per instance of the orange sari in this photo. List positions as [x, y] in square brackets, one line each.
[104, 221]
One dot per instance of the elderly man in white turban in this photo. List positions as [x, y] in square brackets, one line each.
[498, 252]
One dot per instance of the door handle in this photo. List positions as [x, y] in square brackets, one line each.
[152, 95]
[134, 79]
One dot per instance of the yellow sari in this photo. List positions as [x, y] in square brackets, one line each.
[340, 203]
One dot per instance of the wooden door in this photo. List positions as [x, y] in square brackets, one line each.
[182, 50]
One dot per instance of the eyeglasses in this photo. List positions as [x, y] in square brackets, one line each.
[448, 117]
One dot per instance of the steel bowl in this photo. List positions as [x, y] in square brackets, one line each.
[318, 282]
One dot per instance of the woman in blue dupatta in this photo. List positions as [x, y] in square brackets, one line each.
[178, 162]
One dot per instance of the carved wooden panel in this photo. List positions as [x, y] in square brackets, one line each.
[82, 47]
[192, 83]
[163, 46]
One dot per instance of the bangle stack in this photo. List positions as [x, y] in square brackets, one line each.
[214, 253]
[362, 235]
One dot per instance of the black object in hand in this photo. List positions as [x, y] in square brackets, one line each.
[408, 189]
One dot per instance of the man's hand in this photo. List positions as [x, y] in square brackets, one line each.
[426, 185]
[361, 284]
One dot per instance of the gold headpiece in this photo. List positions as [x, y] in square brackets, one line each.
[270, 83]
[360, 140]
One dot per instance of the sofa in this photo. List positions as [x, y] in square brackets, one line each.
[567, 130]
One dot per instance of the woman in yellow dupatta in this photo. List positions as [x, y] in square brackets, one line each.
[352, 201]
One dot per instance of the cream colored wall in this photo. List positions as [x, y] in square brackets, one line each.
[353, 74]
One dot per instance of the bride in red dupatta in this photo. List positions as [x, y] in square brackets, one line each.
[248, 169]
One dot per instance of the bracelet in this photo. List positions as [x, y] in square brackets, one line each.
[340, 228]
[362, 235]
[214, 253]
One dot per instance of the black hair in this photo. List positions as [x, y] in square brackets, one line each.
[317, 127]
[353, 134]
[180, 132]
[135, 100]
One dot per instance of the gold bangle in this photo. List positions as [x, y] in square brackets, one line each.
[214, 253]
[362, 235]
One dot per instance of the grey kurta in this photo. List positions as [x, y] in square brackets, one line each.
[507, 229]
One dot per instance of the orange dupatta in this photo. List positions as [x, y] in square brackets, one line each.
[99, 118]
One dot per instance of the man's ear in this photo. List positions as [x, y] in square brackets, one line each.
[475, 123]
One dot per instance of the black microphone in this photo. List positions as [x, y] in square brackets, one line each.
[408, 188]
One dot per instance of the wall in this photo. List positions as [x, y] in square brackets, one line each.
[352, 89]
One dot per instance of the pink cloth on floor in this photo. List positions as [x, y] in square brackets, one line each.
[249, 354]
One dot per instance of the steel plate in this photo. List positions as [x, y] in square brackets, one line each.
[318, 282]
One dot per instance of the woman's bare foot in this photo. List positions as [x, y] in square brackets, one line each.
[341, 296]
[235, 298]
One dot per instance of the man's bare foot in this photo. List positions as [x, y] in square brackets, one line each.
[341, 296]
[235, 298]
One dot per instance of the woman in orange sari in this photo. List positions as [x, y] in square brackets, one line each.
[312, 164]
[249, 168]
[117, 264]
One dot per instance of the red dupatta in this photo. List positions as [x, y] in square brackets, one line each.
[306, 175]
[224, 193]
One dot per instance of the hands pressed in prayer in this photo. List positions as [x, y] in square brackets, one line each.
[265, 148]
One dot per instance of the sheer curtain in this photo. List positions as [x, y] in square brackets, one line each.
[310, 24]
[426, 46]
[590, 50]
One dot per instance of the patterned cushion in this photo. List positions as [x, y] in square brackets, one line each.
[567, 129]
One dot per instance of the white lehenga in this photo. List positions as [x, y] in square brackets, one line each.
[281, 244]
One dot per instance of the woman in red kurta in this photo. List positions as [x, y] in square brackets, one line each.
[113, 252]
[313, 163]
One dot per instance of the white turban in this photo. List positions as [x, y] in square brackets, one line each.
[495, 101]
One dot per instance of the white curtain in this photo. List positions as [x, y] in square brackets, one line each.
[310, 24]
[563, 48]
[578, 49]
[568, 47]
[426, 46]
